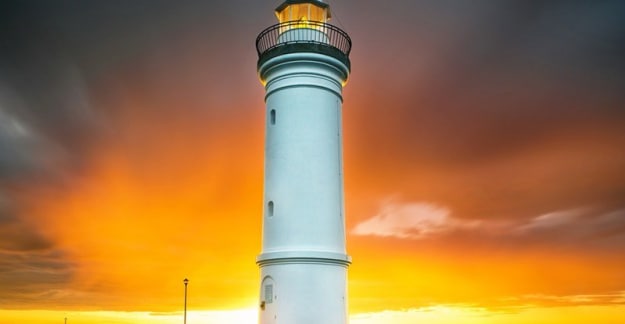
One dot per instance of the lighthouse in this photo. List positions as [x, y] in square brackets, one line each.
[303, 63]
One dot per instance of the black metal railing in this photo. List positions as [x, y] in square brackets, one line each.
[303, 32]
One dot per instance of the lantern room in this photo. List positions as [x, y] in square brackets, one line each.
[303, 10]
[303, 28]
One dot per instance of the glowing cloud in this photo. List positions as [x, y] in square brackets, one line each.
[411, 220]
[551, 220]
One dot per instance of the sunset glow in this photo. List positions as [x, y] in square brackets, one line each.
[483, 155]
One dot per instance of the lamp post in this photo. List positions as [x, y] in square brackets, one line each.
[186, 282]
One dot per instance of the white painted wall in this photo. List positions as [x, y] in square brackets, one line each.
[303, 252]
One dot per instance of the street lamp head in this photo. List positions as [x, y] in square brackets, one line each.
[186, 281]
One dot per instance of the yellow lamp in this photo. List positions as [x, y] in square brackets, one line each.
[303, 11]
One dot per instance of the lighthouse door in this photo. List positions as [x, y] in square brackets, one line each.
[268, 302]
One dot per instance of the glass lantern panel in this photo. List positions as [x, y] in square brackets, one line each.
[284, 15]
[318, 14]
[302, 12]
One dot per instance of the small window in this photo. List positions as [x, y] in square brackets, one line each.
[270, 208]
[272, 116]
[268, 294]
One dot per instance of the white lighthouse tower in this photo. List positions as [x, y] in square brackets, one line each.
[303, 64]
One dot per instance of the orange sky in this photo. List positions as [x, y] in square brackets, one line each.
[482, 184]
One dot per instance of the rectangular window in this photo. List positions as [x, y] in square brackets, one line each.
[268, 294]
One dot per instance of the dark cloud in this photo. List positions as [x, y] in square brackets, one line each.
[32, 277]
[30, 264]
[48, 119]
[576, 229]
[471, 81]
[17, 236]
[67, 67]
[494, 108]
[77, 77]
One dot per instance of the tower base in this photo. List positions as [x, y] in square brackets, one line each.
[303, 288]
